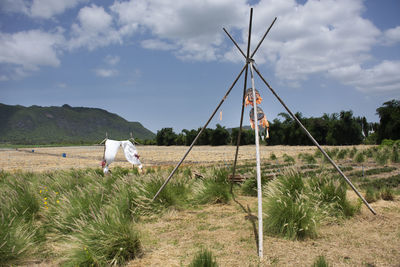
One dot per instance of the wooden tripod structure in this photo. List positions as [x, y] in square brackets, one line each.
[250, 62]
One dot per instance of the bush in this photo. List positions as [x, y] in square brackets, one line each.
[320, 262]
[387, 194]
[214, 189]
[330, 194]
[249, 187]
[342, 153]
[288, 159]
[289, 211]
[353, 152]
[371, 195]
[382, 156]
[108, 239]
[359, 158]
[203, 258]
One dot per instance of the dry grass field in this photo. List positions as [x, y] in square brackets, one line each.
[229, 230]
[50, 158]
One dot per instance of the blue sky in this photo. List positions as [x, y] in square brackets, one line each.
[168, 63]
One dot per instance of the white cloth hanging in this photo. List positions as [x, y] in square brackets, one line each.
[111, 150]
[131, 154]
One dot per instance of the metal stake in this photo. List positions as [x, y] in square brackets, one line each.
[259, 193]
[244, 93]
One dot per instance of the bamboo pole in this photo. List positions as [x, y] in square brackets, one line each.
[244, 93]
[315, 142]
[259, 193]
[198, 135]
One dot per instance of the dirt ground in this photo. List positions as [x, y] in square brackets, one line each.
[51, 158]
[229, 232]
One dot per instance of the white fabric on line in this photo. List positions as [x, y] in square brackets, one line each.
[111, 150]
[130, 152]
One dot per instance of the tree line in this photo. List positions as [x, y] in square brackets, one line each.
[341, 128]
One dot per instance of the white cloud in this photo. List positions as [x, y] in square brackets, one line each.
[106, 73]
[25, 51]
[391, 36]
[14, 6]
[48, 8]
[192, 29]
[112, 60]
[381, 77]
[156, 44]
[44, 9]
[94, 29]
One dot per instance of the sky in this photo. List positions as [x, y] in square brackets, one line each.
[168, 63]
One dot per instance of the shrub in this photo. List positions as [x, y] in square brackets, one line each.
[290, 212]
[214, 189]
[20, 236]
[387, 194]
[395, 158]
[330, 194]
[108, 239]
[18, 240]
[203, 258]
[382, 156]
[288, 159]
[371, 195]
[342, 153]
[320, 262]
[174, 193]
[249, 187]
[353, 152]
[309, 159]
[359, 158]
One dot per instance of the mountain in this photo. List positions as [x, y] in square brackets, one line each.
[66, 124]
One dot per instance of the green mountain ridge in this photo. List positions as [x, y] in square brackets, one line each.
[66, 124]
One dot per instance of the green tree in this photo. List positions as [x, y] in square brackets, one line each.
[205, 137]
[389, 114]
[189, 136]
[220, 136]
[246, 137]
[166, 137]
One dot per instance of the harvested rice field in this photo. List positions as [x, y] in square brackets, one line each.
[51, 158]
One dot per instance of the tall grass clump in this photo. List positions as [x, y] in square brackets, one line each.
[308, 158]
[20, 236]
[108, 239]
[387, 194]
[394, 157]
[204, 258]
[382, 156]
[174, 194]
[371, 195]
[18, 240]
[213, 189]
[288, 159]
[289, 211]
[359, 157]
[320, 262]
[353, 152]
[249, 187]
[329, 193]
[342, 153]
